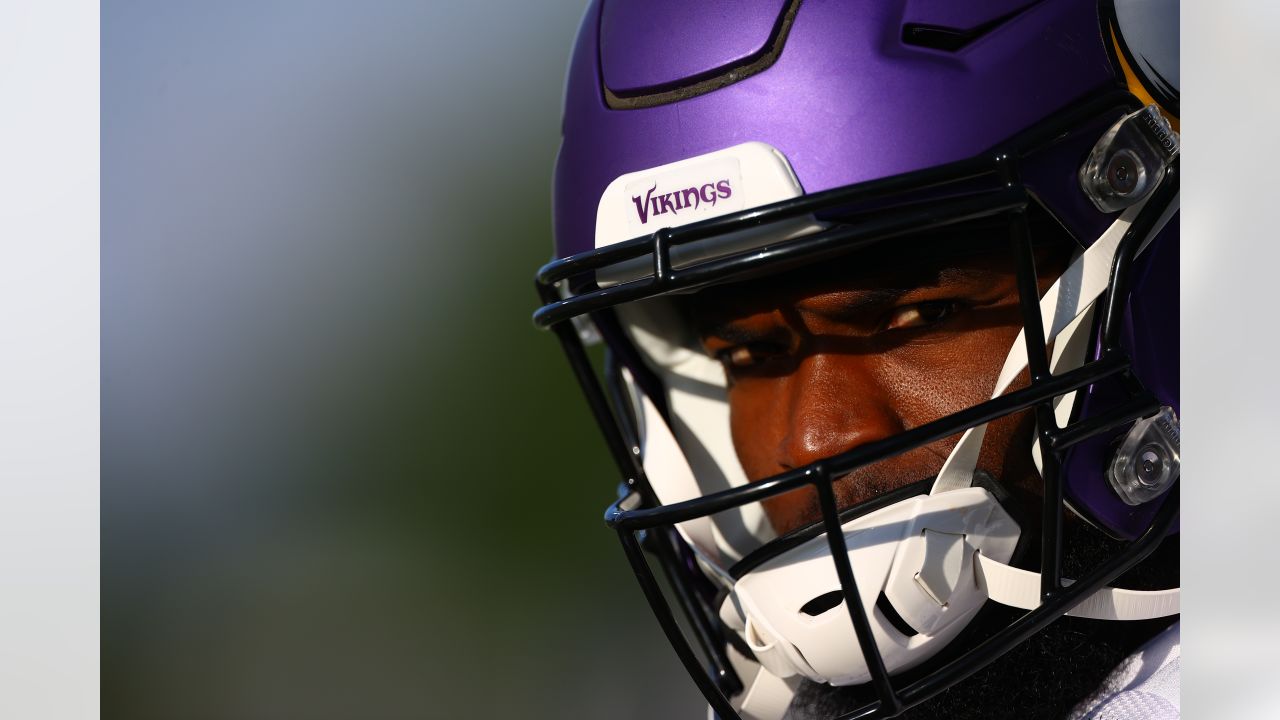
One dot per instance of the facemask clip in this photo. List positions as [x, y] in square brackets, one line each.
[1147, 463]
[1129, 160]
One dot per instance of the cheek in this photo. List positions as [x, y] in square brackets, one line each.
[1006, 454]
[945, 377]
[941, 377]
[757, 423]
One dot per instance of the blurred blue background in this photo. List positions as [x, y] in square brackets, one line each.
[343, 476]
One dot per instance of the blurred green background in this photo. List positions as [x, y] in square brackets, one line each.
[343, 476]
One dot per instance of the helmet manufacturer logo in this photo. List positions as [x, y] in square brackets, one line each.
[1160, 131]
[679, 196]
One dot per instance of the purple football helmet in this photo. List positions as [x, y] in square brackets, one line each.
[711, 143]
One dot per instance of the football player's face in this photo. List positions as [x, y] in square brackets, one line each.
[821, 361]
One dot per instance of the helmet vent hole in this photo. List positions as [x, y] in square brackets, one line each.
[935, 38]
[890, 613]
[951, 39]
[822, 603]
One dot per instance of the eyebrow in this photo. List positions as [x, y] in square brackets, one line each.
[732, 332]
[854, 302]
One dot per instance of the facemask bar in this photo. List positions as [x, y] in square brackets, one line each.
[642, 524]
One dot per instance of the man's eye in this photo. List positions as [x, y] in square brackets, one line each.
[920, 314]
[741, 357]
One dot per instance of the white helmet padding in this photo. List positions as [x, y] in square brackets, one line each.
[694, 455]
[919, 552]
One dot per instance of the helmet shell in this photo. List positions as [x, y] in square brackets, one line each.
[846, 100]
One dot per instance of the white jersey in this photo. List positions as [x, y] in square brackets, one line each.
[1146, 686]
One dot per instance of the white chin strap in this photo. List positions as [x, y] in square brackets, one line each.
[1067, 313]
[1021, 589]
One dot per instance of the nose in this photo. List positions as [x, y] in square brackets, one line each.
[834, 403]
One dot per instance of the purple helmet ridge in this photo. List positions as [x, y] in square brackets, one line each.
[654, 45]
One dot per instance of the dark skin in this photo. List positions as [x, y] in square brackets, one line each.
[820, 361]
